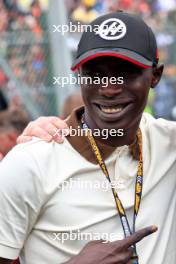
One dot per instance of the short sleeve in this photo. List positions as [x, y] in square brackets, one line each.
[20, 200]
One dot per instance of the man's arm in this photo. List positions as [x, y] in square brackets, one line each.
[21, 199]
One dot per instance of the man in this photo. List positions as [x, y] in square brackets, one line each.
[45, 203]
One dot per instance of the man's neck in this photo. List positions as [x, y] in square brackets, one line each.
[129, 135]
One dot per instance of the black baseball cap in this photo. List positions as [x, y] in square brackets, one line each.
[120, 35]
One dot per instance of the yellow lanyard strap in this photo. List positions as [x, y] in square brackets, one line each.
[138, 186]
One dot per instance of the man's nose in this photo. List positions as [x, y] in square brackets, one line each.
[111, 90]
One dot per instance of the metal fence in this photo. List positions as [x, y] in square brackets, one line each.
[25, 65]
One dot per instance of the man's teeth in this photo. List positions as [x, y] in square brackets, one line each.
[111, 110]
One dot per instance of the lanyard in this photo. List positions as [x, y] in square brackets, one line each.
[138, 186]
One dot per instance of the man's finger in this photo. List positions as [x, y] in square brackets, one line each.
[59, 123]
[36, 131]
[138, 236]
[23, 139]
[42, 134]
[54, 132]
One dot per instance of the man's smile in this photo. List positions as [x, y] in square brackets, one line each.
[113, 110]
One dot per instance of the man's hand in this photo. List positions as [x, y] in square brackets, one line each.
[116, 252]
[46, 128]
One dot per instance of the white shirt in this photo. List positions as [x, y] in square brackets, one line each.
[36, 211]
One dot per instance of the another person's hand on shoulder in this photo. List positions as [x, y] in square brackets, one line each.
[46, 128]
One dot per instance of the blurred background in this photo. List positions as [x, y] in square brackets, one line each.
[32, 51]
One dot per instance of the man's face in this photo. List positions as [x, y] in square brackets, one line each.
[117, 105]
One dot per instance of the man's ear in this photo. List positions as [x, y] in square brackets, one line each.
[157, 73]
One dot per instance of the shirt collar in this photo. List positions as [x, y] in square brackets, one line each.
[81, 144]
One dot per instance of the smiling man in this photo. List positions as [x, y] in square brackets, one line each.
[55, 198]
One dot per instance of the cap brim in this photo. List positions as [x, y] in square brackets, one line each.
[114, 52]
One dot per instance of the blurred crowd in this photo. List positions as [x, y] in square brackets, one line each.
[22, 53]
[23, 66]
[23, 19]
[21, 15]
[152, 10]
